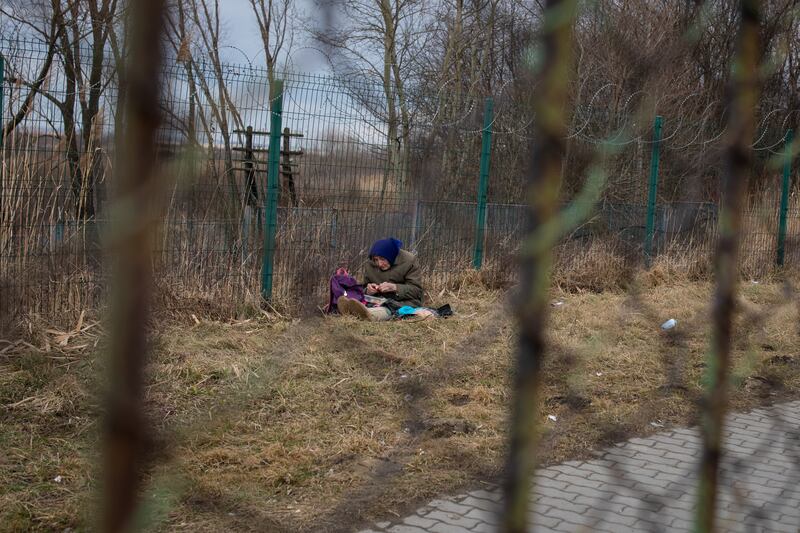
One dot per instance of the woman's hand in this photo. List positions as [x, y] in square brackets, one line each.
[372, 288]
[387, 287]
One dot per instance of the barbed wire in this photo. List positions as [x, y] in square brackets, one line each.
[362, 101]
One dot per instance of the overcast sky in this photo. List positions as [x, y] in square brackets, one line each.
[241, 32]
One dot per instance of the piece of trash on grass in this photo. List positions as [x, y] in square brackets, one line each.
[657, 424]
[58, 479]
[669, 324]
[558, 303]
[403, 376]
[552, 417]
[598, 374]
[754, 282]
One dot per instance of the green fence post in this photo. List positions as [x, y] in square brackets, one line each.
[271, 198]
[651, 195]
[483, 186]
[787, 173]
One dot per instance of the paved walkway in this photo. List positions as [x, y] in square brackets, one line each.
[649, 485]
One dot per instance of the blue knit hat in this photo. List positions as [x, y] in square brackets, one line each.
[386, 248]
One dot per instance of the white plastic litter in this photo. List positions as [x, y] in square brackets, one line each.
[58, 479]
[669, 324]
[559, 303]
[598, 374]
[657, 424]
[552, 417]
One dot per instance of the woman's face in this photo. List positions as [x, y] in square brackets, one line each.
[381, 262]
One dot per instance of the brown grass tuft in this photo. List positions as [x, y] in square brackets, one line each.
[596, 266]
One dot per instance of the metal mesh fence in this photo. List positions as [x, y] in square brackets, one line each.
[354, 165]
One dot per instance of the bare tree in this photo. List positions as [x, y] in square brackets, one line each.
[273, 18]
[76, 33]
[389, 28]
[461, 64]
[49, 35]
[83, 29]
[205, 16]
[180, 35]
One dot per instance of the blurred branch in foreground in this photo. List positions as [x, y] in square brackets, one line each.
[131, 247]
[738, 164]
[542, 196]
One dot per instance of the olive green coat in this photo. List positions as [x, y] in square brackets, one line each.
[405, 273]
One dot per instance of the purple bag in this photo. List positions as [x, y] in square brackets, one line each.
[343, 284]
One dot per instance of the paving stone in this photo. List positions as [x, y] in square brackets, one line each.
[588, 492]
[667, 439]
[451, 519]
[675, 470]
[681, 525]
[611, 517]
[546, 483]
[486, 495]
[686, 451]
[655, 490]
[789, 512]
[689, 433]
[453, 508]
[481, 504]
[539, 520]
[580, 481]
[448, 528]
[641, 441]
[546, 473]
[787, 528]
[657, 458]
[625, 460]
[596, 468]
[480, 515]
[648, 527]
[405, 529]
[560, 503]
[568, 516]
[419, 521]
[484, 528]
[567, 469]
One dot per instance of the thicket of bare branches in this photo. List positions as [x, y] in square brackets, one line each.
[435, 62]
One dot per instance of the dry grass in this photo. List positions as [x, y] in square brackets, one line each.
[51, 264]
[325, 423]
[598, 265]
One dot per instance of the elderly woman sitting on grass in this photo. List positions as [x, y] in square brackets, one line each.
[393, 274]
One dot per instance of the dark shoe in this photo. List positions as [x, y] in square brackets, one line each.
[445, 311]
[348, 306]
